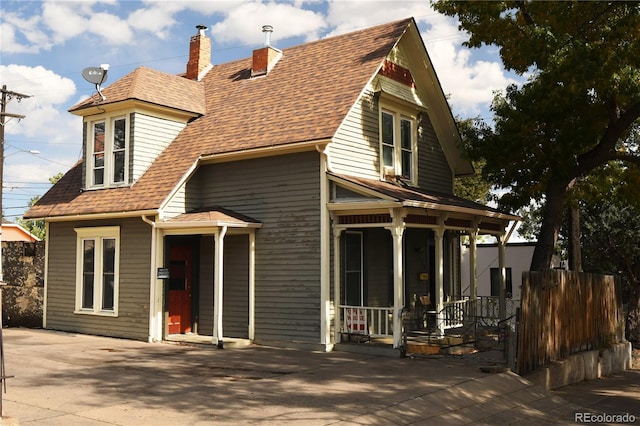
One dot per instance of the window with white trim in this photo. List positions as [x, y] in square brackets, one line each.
[353, 269]
[398, 145]
[97, 270]
[107, 153]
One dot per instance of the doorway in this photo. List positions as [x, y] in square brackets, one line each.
[180, 289]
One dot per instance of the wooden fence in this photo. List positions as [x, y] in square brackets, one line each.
[566, 312]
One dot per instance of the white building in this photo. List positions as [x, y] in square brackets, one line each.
[517, 259]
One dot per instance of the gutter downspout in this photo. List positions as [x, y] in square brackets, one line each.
[155, 287]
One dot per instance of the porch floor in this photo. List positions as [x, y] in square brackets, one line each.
[201, 339]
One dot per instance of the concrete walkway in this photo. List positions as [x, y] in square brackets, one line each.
[70, 379]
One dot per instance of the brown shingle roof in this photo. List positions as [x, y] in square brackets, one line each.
[305, 97]
[408, 194]
[151, 86]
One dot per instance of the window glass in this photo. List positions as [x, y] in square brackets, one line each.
[106, 164]
[397, 141]
[406, 147]
[353, 282]
[387, 140]
[97, 270]
[495, 283]
[108, 272]
[119, 142]
[88, 267]
[98, 153]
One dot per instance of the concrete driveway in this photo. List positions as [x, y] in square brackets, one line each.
[71, 379]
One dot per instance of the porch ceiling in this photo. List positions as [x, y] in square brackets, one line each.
[210, 217]
[399, 194]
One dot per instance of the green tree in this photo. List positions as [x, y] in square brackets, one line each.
[37, 227]
[610, 230]
[576, 111]
[474, 187]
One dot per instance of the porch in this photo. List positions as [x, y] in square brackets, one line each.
[397, 254]
[468, 326]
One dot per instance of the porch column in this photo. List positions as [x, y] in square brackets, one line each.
[337, 314]
[397, 230]
[252, 284]
[439, 284]
[473, 271]
[502, 304]
[218, 275]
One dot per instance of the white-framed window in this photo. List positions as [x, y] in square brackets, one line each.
[107, 153]
[97, 270]
[398, 144]
[353, 269]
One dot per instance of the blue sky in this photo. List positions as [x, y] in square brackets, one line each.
[45, 45]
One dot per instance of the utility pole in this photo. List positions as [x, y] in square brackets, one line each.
[7, 96]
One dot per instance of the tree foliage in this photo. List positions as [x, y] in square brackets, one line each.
[474, 187]
[37, 227]
[575, 113]
[610, 213]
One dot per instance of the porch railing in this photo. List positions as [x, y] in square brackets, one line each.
[488, 307]
[368, 320]
[454, 313]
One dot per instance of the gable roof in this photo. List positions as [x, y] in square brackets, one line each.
[304, 98]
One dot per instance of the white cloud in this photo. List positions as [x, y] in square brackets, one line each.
[243, 23]
[64, 20]
[48, 91]
[348, 16]
[19, 35]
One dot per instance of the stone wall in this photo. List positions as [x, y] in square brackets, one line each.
[23, 289]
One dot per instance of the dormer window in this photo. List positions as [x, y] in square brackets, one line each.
[398, 145]
[107, 165]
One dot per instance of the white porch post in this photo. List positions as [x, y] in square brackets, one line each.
[397, 230]
[337, 322]
[252, 284]
[439, 284]
[502, 304]
[218, 275]
[473, 270]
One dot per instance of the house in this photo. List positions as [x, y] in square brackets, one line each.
[291, 198]
[16, 232]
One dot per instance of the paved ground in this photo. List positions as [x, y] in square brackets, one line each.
[69, 379]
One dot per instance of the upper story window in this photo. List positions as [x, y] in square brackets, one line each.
[398, 145]
[108, 156]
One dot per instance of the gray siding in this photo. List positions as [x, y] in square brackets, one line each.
[205, 297]
[434, 173]
[135, 247]
[235, 312]
[151, 136]
[236, 286]
[283, 192]
[355, 149]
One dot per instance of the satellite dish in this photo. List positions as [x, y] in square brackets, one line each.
[97, 76]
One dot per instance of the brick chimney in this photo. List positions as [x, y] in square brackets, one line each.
[265, 58]
[199, 55]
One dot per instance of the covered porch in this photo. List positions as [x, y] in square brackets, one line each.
[204, 262]
[396, 254]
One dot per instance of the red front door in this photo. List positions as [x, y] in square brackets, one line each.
[179, 289]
